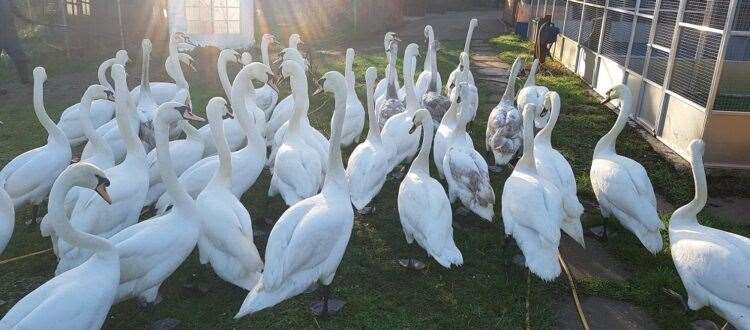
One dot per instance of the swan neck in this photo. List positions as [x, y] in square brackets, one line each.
[526, 163]
[335, 174]
[61, 222]
[241, 87]
[224, 77]
[301, 101]
[391, 76]
[166, 169]
[510, 88]
[531, 79]
[373, 133]
[145, 94]
[54, 133]
[264, 53]
[608, 141]
[467, 43]
[688, 214]
[545, 135]
[124, 112]
[224, 174]
[101, 73]
[88, 127]
[422, 162]
[411, 95]
[433, 69]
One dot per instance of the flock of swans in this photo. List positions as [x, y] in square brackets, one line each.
[137, 156]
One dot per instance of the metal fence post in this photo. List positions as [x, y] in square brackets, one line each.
[636, 11]
[578, 40]
[647, 58]
[597, 63]
[670, 64]
[720, 59]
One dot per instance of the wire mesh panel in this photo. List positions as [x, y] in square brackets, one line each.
[622, 4]
[742, 19]
[617, 36]
[596, 2]
[572, 23]
[707, 13]
[657, 65]
[694, 64]
[734, 86]
[666, 22]
[548, 7]
[591, 29]
[640, 44]
[647, 6]
[558, 13]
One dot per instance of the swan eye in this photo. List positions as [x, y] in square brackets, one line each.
[458, 99]
[102, 181]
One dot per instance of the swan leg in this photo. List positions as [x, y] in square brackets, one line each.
[399, 173]
[34, 215]
[326, 306]
[411, 262]
[367, 210]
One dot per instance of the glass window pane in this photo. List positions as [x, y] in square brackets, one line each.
[233, 3]
[234, 27]
[220, 27]
[220, 3]
[233, 14]
[220, 14]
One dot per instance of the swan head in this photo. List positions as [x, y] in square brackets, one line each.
[697, 148]
[392, 49]
[88, 176]
[412, 50]
[246, 58]
[420, 117]
[122, 57]
[473, 23]
[332, 82]
[428, 32]
[217, 107]
[40, 74]
[291, 68]
[295, 40]
[269, 39]
[350, 56]
[98, 92]
[619, 92]
[551, 103]
[229, 55]
[260, 72]
[464, 61]
[172, 112]
[371, 74]
[517, 66]
[465, 96]
[187, 60]
[529, 111]
[182, 37]
[291, 54]
[389, 36]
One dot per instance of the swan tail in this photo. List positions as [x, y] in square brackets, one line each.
[543, 263]
[573, 228]
[652, 240]
[260, 298]
[502, 158]
[449, 256]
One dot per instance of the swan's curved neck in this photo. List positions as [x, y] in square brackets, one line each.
[224, 77]
[166, 170]
[89, 131]
[531, 79]
[335, 175]
[101, 73]
[427, 65]
[54, 133]
[62, 225]
[301, 102]
[243, 99]
[145, 96]
[411, 95]
[526, 163]
[545, 135]
[123, 114]
[432, 54]
[391, 75]
[264, 52]
[687, 215]
[422, 162]
[510, 88]
[223, 176]
[467, 43]
[607, 143]
[373, 133]
[174, 70]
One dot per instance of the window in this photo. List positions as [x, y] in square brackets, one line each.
[78, 7]
[213, 16]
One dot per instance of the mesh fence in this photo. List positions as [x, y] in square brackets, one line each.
[644, 36]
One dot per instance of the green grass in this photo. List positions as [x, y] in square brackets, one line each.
[487, 291]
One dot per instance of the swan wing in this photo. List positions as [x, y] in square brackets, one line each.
[526, 202]
[617, 186]
[299, 170]
[424, 209]
[278, 241]
[640, 179]
[468, 171]
[244, 222]
[19, 162]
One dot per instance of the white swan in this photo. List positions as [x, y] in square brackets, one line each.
[249, 161]
[713, 264]
[429, 72]
[129, 184]
[532, 209]
[190, 151]
[138, 118]
[432, 99]
[268, 94]
[621, 185]
[552, 166]
[28, 178]
[449, 122]
[308, 241]
[505, 123]
[533, 94]
[451, 82]
[165, 91]
[423, 207]
[382, 85]
[369, 163]
[151, 250]
[465, 169]
[355, 112]
[226, 239]
[79, 298]
[298, 165]
[102, 110]
[397, 130]
[7, 219]
[389, 104]
[232, 128]
[284, 109]
[101, 155]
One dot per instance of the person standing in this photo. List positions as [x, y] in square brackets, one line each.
[9, 40]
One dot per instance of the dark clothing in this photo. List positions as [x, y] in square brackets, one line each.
[9, 41]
